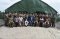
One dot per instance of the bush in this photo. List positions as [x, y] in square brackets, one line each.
[58, 19]
[1, 15]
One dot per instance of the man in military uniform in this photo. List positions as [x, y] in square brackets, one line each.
[10, 23]
[52, 21]
[6, 19]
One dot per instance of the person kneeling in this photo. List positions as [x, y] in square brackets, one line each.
[26, 23]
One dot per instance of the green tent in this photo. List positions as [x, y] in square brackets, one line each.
[31, 6]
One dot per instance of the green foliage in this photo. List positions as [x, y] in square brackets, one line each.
[58, 19]
[1, 15]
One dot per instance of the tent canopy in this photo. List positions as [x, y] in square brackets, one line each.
[31, 6]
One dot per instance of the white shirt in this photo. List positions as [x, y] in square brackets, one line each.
[41, 19]
[16, 19]
[26, 22]
[20, 18]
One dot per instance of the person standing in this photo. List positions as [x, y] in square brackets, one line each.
[16, 21]
[52, 21]
[6, 18]
[29, 20]
[10, 23]
[20, 20]
[32, 19]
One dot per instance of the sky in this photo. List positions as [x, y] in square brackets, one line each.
[4, 4]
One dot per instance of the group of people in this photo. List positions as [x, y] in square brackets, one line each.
[41, 20]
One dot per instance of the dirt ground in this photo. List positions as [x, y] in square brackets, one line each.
[29, 33]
